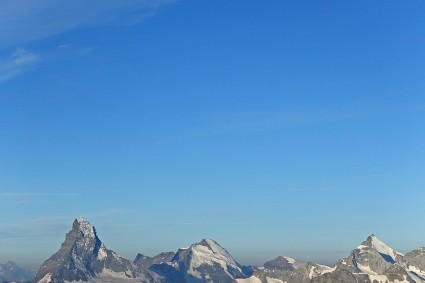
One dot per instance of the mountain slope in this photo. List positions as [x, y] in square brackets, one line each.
[415, 263]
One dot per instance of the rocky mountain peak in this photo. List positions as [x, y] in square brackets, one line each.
[280, 263]
[84, 227]
[139, 257]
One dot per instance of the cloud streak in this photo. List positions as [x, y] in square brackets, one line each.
[27, 20]
[28, 194]
[20, 61]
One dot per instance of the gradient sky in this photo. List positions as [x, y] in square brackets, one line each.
[274, 127]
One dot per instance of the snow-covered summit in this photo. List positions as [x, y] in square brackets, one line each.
[207, 252]
[207, 261]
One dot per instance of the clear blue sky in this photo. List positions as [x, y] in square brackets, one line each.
[274, 127]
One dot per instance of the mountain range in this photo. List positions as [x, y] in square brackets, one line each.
[83, 257]
[371, 262]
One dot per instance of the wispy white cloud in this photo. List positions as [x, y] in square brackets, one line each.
[17, 63]
[27, 20]
[29, 194]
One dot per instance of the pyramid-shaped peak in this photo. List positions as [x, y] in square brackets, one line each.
[84, 227]
[383, 249]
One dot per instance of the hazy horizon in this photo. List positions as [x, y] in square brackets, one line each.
[245, 257]
[274, 127]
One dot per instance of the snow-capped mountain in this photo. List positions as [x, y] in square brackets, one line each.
[372, 256]
[83, 257]
[10, 272]
[205, 261]
[378, 261]
[371, 262]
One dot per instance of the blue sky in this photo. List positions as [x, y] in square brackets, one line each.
[274, 127]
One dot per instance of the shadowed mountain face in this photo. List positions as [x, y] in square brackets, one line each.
[10, 272]
[83, 257]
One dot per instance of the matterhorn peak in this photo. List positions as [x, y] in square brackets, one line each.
[83, 226]
[82, 257]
